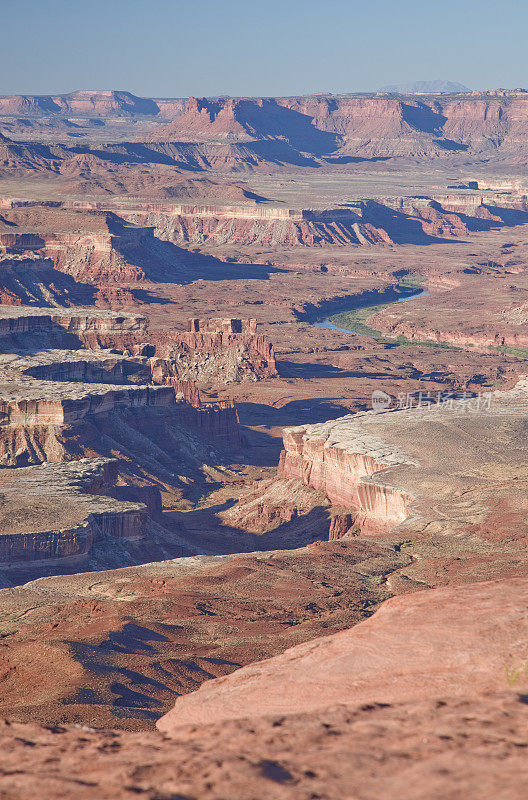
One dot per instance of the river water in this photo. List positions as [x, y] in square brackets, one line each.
[327, 322]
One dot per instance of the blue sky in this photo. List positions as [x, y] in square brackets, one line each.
[170, 48]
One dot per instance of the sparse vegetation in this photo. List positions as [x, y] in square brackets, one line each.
[516, 673]
[512, 351]
[356, 321]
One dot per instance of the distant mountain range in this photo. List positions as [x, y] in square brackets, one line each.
[426, 87]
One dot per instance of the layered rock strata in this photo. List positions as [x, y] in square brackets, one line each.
[57, 387]
[59, 402]
[367, 221]
[57, 511]
[421, 469]
[29, 320]
[370, 126]
[337, 458]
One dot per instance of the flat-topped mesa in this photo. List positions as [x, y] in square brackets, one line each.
[62, 404]
[256, 225]
[91, 102]
[423, 469]
[367, 221]
[127, 208]
[57, 511]
[338, 458]
[87, 244]
[83, 323]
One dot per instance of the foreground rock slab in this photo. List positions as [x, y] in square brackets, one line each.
[115, 648]
[460, 748]
[438, 643]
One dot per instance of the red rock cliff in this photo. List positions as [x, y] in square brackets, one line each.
[340, 466]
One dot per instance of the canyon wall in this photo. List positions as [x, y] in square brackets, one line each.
[62, 387]
[74, 512]
[60, 402]
[369, 221]
[493, 336]
[341, 469]
[370, 126]
[105, 243]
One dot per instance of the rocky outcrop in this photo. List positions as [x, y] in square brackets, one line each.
[62, 387]
[370, 751]
[219, 325]
[57, 511]
[438, 652]
[215, 422]
[421, 469]
[218, 351]
[272, 504]
[337, 458]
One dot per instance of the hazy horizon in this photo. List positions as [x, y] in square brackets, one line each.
[170, 49]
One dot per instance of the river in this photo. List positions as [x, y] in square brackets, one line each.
[327, 322]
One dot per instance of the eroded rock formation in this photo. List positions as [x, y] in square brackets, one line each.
[57, 511]
[61, 401]
[390, 471]
[337, 458]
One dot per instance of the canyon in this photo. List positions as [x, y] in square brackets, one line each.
[263, 524]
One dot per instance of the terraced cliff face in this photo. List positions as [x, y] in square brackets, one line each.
[70, 325]
[394, 469]
[262, 226]
[337, 458]
[89, 245]
[368, 126]
[386, 221]
[59, 511]
[63, 405]
[98, 252]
